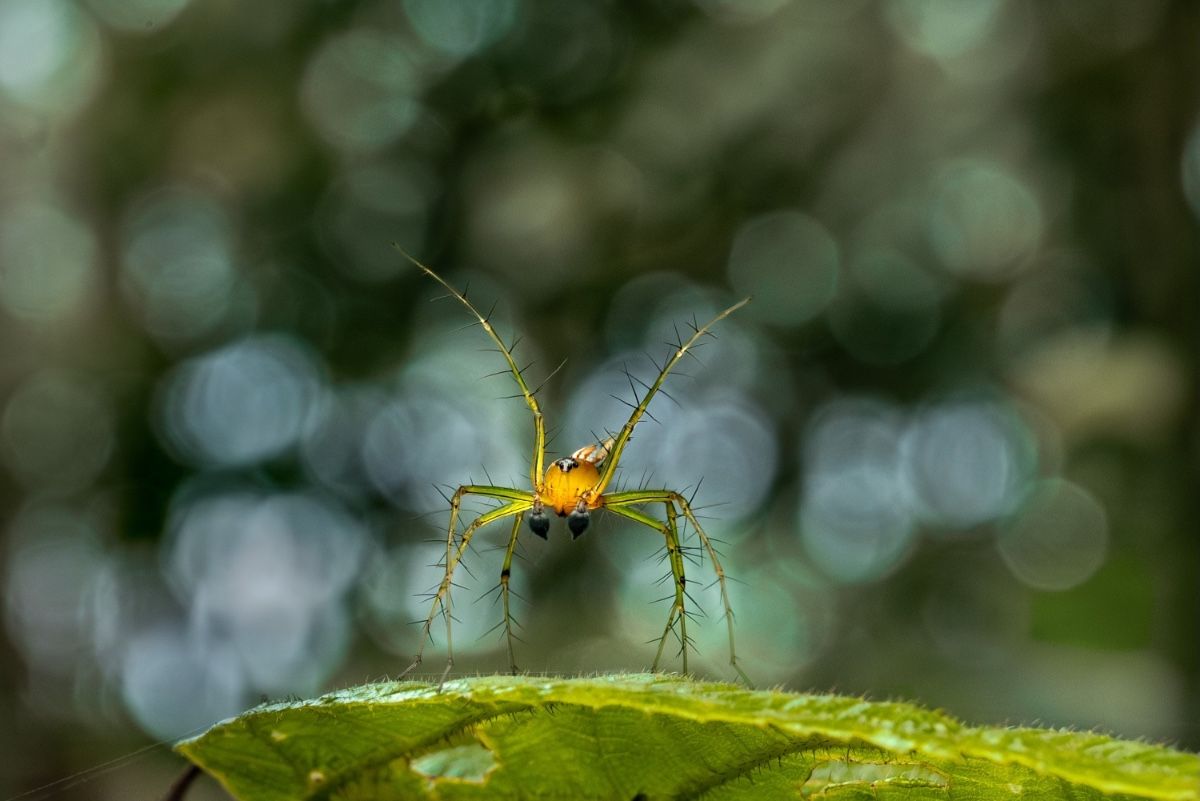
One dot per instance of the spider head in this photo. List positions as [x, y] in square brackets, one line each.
[539, 523]
[578, 521]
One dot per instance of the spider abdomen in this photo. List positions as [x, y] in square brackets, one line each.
[566, 481]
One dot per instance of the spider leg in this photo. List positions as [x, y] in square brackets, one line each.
[678, 613]
[505, 572]
[518, 502]
[681, 349]
[537, 463]
[616, 503]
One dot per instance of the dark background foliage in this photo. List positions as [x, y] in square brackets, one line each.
[950, 448]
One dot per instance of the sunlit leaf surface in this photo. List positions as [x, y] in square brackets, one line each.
[649, 737]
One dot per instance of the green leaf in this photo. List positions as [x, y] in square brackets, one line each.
[654, 736]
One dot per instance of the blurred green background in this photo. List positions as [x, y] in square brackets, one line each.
[951, 447]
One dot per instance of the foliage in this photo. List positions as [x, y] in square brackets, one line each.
[649, 736]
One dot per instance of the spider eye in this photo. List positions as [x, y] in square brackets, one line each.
[539, 524]
[578, 521]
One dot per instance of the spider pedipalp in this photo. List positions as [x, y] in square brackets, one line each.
[539, 522]
[578, 521]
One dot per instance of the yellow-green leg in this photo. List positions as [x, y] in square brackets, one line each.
[505, 573]
[678, 612]
[618, 501]
[518, 503]
[536, 464]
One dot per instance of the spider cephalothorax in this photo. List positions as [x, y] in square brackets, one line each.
[566, 489]
[574, 487]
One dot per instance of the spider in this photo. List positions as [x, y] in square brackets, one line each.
[574, 487]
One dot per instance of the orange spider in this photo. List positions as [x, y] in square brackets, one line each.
[574, 487]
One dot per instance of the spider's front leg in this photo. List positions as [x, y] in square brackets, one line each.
[678, 613]
[518, 502]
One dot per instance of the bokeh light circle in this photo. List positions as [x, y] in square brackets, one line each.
[789, 262]
[441, 425]
[57, 432]
[854, 519]
[173, 685]
[138, 16]
[50, 55]
[1060, 538]
[54, 556]
[943, 30]
[267, 575]
[893, 280]
[242, 403]
[178, 262]
[461, 27]
[47, 262]
[984, 222]
[725, 441]
[968, 462]
[567, 55]
[360, 89]
[332, 447]
[1191, 170]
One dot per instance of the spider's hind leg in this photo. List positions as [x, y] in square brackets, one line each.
[505, 574]
[678, 613]
[619, 501]
[518, 502]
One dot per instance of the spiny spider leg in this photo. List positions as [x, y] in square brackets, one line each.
[681, 350]
[505, 572]
[518, 502]
[537, 464]
[616, 503]
[678, 613]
